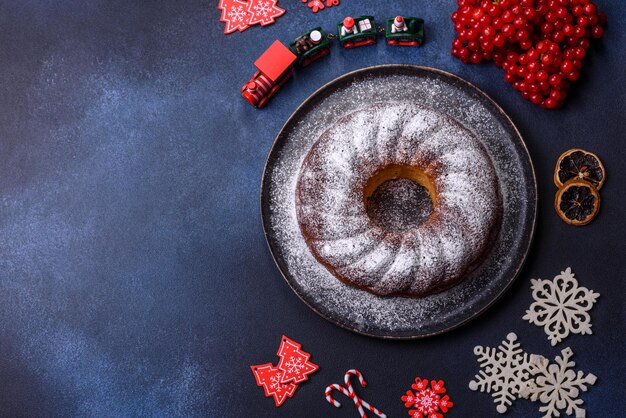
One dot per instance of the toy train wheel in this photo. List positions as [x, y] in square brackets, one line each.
[314, 58]
[264, 101]
[365, 42]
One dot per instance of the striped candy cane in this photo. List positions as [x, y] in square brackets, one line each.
[349, 392]
[339, 388]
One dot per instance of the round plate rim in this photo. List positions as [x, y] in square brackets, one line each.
[505, 116]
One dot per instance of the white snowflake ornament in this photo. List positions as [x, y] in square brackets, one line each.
[237, 14]
[561, 306]
[294, 365]
[504, 371]
[556, 385]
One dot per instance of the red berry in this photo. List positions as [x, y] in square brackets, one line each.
[580, 32]
[567, 67]
[522, 35]
[573, 76]
[555, 80]
[597, 31]
[509, 78]
[547, 59]
[561, 12]
[546, 28]
[579, 53]
[590, 9]
[554, 49]
[550, 103]
[542, 47]
[533, 54]
[508, 30]
[530, 14]
[519, 22]
[476, 58]
[524, 59]
[558, 36]
[527, 44]
[534, 66]
[583, 21]
[489, 32]
[499, 40]
[541, 75]
[577, 10]
[521, 71]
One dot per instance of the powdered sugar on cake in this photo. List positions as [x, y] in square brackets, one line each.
[425, 259]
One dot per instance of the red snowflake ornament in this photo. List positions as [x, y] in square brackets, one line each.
[235, 15]
[294, 362]
[269, 377]
[425, 401]
[264, 12]
[317, 5]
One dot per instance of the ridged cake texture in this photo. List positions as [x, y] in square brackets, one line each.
[427, 258]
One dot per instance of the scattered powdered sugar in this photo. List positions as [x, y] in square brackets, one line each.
[358, 309]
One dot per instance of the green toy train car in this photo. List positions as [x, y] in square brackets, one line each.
[358, 31]
[310, 46]
[404, 31]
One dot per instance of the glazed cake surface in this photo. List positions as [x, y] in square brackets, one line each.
[385, 141]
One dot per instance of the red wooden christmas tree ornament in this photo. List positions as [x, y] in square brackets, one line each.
[294, 362]
[264, 12]
[269, 377]
[235, 15]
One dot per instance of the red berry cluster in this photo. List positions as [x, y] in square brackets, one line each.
[540, 44]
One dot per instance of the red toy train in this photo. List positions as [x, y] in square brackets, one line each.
[276, 65]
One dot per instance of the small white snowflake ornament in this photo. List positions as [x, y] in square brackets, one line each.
[561, 306]
[556, 385]
[504, 371]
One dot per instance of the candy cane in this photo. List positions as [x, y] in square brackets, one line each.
[354, 372]
[358, 401]
[349, 392]
[332, 400]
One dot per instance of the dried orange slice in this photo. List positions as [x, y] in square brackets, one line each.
[579, 164]
[577, 202]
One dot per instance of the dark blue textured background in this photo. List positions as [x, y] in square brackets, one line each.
[134, 275]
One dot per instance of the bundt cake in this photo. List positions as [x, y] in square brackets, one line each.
[371, 146]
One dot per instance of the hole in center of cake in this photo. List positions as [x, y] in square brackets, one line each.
[398, 198]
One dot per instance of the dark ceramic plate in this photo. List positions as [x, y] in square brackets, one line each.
[399, 317]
